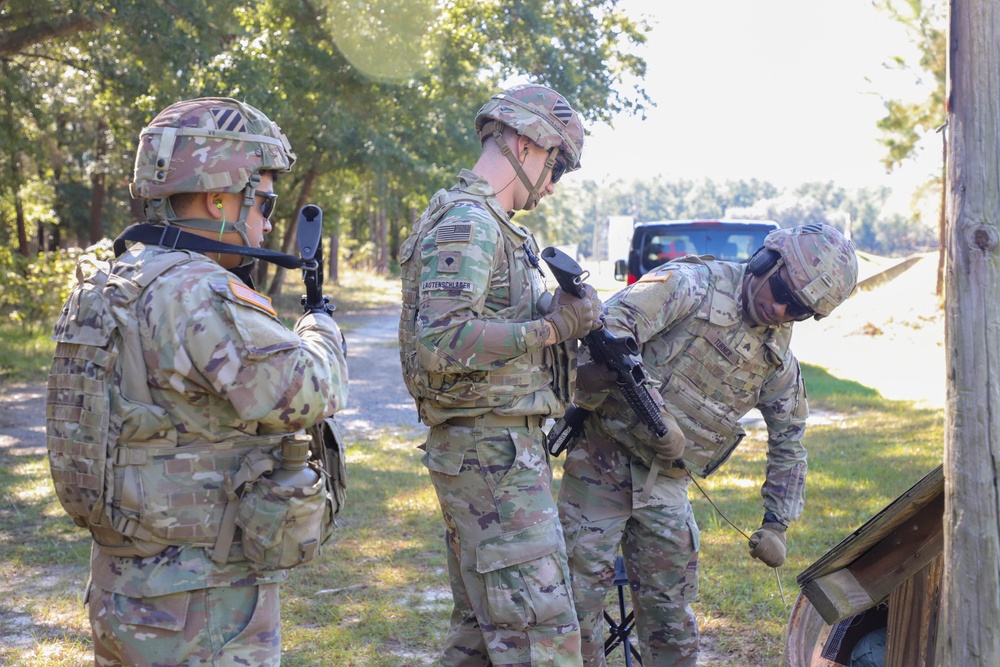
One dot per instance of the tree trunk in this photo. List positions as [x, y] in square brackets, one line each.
[334, 272]
[20, 222]
[942, 220]
[97, 185]
[382, 266]
[971, 596]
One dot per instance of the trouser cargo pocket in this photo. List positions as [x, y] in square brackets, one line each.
[526, 576]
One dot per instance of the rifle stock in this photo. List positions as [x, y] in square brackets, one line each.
[310, 237]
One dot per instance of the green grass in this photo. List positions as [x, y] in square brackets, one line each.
[25, 354]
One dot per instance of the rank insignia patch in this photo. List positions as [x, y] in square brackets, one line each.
[449, 262]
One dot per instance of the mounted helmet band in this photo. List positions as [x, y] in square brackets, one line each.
[495, 128]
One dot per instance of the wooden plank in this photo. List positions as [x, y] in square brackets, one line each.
[902, 553]
[887, 564]
[838, 595]
[875, 529]
[914, 612]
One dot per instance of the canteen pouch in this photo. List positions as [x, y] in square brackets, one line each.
[331, 452]
[284, 526]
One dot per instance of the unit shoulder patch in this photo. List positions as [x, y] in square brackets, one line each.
[655, 277]
[244, 294]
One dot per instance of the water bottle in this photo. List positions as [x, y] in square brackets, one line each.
[294, 470]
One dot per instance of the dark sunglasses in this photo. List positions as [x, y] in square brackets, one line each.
[267, 206]
[784, 295]
[558, 169]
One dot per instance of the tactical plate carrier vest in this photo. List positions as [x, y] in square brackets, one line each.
[710, 367]
[440, 396]
[135, 490]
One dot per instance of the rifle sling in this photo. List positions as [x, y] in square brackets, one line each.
[173, 237]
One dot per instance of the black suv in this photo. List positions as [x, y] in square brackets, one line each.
[654, 243]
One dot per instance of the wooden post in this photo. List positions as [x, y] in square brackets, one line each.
[971, 595]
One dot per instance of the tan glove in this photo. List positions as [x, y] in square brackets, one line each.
[670, 447]
[768, 544]
[572, 317]
[594, 377]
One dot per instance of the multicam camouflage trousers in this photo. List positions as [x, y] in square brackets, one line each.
[600, 509]
[506, 555]
[223, 627]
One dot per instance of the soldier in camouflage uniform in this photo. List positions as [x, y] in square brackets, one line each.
[714, 340]
[488, 355]
[171, 373]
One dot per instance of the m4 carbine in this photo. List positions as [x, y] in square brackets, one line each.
[620, 354]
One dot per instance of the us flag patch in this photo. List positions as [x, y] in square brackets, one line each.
[230, 120]
[461, 233]
[562, 111]
[247, 295]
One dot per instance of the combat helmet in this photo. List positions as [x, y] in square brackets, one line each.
[821, 263]
[540, 114]
[209, 144]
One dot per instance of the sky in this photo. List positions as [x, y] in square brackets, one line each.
[782, 90]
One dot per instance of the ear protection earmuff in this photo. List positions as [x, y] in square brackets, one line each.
[762, 261]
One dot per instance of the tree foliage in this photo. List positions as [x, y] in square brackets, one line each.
[377, 98]
[578, 212]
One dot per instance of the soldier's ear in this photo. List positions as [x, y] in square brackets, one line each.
[214, 205]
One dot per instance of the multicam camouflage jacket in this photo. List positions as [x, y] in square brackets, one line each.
[174, 370]
[470, 331]
[711, 368]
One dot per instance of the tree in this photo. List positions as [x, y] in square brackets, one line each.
[905, 122]
[971, 580]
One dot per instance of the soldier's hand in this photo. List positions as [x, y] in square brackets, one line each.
[768, 544]
[574, 317]
[594, 376]
[670, 446]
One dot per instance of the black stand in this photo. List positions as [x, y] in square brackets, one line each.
[618, 632]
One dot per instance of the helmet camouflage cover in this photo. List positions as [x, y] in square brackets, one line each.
[209, 144]
[538, 113]
[821, 263]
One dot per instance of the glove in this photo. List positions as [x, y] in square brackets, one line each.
[573, 317]
[768, 544]
[670, 447]
[594, 377]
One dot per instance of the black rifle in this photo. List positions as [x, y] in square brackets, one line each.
[311, 252]
[619, 354]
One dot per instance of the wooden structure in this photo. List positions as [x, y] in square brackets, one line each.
[887, 574]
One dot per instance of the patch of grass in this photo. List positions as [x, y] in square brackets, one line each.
[26, 354]
[872, 451]
[356, 290]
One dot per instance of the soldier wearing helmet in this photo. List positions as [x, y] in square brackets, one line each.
[488, 355]
[714, 339]
[173, 383]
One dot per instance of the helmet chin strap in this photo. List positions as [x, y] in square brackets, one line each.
[534, 191]
[752, 287]
[160, 210]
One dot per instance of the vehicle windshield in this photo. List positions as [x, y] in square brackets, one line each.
[724, 245]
